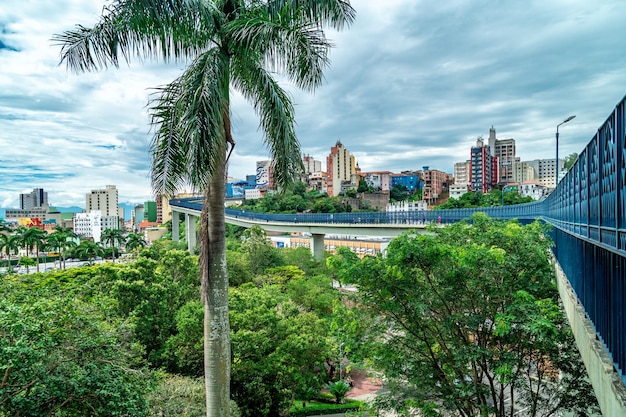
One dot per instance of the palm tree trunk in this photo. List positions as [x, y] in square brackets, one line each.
[215, 296]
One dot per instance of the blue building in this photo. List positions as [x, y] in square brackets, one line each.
[411, 181]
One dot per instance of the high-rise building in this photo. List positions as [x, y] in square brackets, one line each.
[545, 171]
[150, 211]
[504, 150]
[311, 165]
[484, 172]
[435, 182]
[523, 172]
[264, 174]
[340, 165]
[37, 198]
[462, 172]
[106, 202]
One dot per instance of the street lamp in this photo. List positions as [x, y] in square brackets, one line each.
[556, 162]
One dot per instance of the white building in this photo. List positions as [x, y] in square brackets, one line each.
[407, 206]
[533, 189]
[92, 224]
[523, 171]
[252, 194]
[380, 181]
[462, 172]
[264, 173]
[457, 190]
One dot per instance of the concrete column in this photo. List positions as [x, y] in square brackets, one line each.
[190, 232]
[317, 246]
[175, 226]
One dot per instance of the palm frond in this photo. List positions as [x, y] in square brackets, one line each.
[146, 29]
[289, 42]
[188, 116]
[334, 13]
[276, 112]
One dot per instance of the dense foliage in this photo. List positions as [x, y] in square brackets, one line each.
[94, 339]
[460, 320]
[494, 197]
[472, 322]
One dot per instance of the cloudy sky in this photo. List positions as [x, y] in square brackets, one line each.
[412, 83]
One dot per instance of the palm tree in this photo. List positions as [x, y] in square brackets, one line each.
[111, 236]
[235, 44]
[135, 241]
[90, 250]
[10, 244]
[31, 238]
[4, 227]
[66, 237]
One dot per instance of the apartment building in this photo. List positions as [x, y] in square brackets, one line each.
[340, 165]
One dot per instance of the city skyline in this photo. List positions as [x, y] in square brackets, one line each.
[410, 84]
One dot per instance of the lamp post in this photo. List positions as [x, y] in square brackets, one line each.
[556, 161]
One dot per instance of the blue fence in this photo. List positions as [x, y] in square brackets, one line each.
[587, 210]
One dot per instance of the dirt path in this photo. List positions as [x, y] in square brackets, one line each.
[363, 385]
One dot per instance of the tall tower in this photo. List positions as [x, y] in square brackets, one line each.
[484, 171]
[37, 198]
[504, 150]
[106, 201]
[340, 165]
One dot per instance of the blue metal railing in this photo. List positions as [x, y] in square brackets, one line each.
[587, 210]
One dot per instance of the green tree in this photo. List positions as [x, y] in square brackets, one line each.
[31, 238]
[277, 349]
[570, 160]
[472, 315]
[111, 237]
[66, 238]
[135, 241]
[10, 245]
[27, 261]
[399, 193]
[231, 44]
[60, 357]
[89, 250]
[260, 254]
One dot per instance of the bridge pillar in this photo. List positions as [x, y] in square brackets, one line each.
[175, 226]
[190, 232]
[317, 245]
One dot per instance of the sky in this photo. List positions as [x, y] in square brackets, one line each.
[411, 83]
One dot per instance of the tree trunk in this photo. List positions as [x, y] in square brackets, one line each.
[214, 276]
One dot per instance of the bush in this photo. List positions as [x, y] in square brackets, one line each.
[317, 408]
[181, 396]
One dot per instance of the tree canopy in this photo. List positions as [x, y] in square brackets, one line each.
[471, 322]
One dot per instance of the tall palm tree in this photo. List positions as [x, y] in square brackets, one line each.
[235, 44]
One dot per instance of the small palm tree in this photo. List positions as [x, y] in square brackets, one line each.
[31, 238]
[90, 250]
[231, 44]
[339, 389]
[111, 237]
[10, 245]
[68, 239]
[135, 241]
